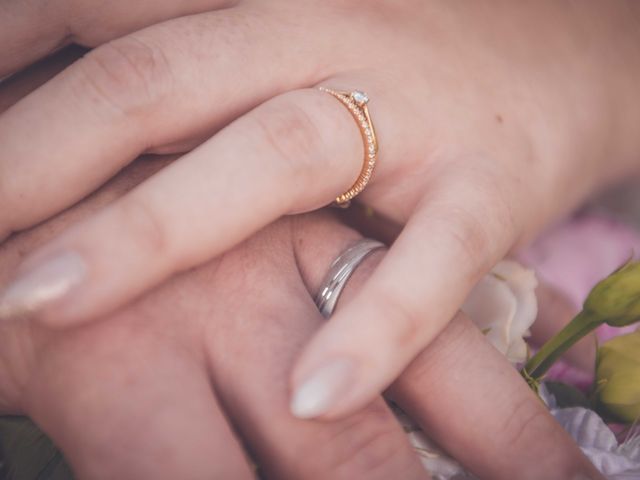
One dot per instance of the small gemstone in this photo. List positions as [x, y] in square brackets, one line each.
[361, 98]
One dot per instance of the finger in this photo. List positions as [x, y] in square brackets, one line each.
[135, 409]
[253, 387]
[460, 388]
[159, 86]
[32, 29]
[140, 408]
[21, 84]
[195, 209]
[18, 352]
[18, 86]
[462, 391]
[416, 290]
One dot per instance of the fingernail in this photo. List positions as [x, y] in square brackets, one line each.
[43, 284]
[323, 389]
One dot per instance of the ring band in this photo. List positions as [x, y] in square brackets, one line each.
[340, 271]
[356, 103]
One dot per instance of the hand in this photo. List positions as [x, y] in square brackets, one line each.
[33, 28]
[158, 389]
[121, 359]
[485, 136]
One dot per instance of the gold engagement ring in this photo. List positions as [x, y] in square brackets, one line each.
[356, 102]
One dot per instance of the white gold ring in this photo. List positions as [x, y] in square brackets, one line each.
[340, 271]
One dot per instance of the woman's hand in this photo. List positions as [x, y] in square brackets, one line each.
[492, 119]
[175, 384]
[30, 29]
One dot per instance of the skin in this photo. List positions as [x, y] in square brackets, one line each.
[485, 137]
[187, 369]
[192, 369]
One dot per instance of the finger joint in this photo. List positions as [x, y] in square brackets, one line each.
[126, 74]
[145, 226]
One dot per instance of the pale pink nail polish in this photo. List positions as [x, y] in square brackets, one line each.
[47, 282]
[323, 389]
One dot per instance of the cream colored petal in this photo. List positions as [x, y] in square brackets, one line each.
[491, 305]
[522, 282]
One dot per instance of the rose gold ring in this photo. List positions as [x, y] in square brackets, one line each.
[356, 102]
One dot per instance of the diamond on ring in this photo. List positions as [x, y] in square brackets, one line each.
[359, 97]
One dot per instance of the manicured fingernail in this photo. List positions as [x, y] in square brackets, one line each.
[41, 285]
[323, 389]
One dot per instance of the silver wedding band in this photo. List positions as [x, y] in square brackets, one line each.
[340, 271]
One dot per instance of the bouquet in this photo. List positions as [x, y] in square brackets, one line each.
[600, 409]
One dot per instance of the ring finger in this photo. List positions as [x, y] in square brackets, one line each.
[263, 339]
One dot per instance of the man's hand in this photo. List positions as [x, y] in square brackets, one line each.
[174, 385]
[142, 393]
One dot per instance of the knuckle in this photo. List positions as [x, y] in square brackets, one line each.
[126, 74]
[451, 347]
[292, 134]
[408, 317]
[145, 227]
[526, 421]
[522, 430]
[366, 445]
[467, 233]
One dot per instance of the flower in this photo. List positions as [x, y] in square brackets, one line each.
[616, 299]
[504, 306]
[604, 244]
[617, 374]
[576, 254]
[617, 461]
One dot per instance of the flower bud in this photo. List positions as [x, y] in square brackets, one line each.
[616, 299]
[618, 377]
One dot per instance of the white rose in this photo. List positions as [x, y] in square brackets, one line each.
[504, 306]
